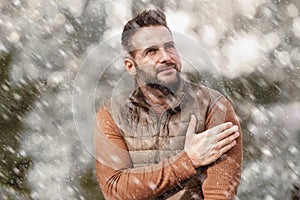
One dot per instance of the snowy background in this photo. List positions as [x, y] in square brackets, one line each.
[255, 48]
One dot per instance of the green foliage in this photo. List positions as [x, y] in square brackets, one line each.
[15, 102]
[254, 88]
[89, 183]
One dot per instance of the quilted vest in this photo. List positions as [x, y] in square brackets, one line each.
[151, 139]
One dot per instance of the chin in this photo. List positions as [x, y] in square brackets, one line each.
[171, 83]
[169, 79]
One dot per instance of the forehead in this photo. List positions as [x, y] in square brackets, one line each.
[151, 36]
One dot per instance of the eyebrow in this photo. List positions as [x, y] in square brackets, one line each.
[171, 42]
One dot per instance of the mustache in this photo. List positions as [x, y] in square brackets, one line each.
[166, 66]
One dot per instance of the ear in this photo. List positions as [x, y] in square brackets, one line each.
[130, 66]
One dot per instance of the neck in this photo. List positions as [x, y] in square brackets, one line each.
[158, 97]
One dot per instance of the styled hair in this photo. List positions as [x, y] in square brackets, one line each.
[149, 17]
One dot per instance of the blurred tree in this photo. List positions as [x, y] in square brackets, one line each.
[296, 192]
[15, 102]
[138, 6]
[89, 183]
[88, 28]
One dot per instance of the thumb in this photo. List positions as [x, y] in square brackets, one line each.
[190, 133]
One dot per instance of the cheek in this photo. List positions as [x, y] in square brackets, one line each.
[148, 68]
[145, 62]
[152, 60]
[175, 56]
[176, 59]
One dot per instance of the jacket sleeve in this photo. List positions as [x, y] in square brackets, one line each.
[223, 176]
[116, 176]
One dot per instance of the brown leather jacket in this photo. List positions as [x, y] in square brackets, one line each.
[149, 149]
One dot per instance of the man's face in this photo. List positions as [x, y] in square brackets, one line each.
[155, 57]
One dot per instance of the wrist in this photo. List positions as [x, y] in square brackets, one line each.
[194, 161]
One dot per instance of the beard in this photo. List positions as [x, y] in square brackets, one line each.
[151, 79]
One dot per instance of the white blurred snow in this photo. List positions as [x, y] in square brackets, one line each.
[39, 31]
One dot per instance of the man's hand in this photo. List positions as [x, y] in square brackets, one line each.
[206, 147]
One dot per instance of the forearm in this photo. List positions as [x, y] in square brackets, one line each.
[223, 176]
[144, 182]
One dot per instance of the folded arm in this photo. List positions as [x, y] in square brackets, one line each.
[116, 175]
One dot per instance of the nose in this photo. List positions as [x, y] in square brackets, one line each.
[164, 56]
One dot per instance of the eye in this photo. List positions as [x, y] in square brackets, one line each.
[170, 46]
[151, 51]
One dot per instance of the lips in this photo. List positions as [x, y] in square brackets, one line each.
[166, 69]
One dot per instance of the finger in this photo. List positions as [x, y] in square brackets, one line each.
[227, 132]
[221, 127]
[228, 147]
[192, 125]
[229, 139]
[190, 131]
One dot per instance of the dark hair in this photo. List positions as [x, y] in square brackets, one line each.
[146, 18]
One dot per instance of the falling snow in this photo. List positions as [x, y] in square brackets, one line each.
[254, 46]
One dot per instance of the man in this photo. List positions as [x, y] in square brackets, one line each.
[168, 139]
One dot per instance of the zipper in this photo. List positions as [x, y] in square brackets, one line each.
[159, 123]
